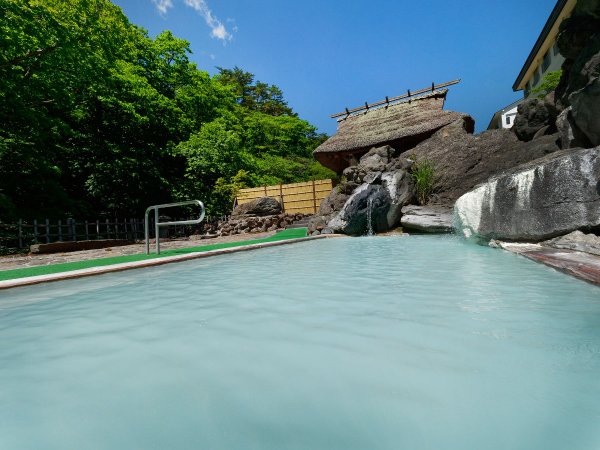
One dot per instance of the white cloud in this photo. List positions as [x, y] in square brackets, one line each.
[218, 30]
[163, 5]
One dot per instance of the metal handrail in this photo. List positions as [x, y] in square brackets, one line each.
[158, 224]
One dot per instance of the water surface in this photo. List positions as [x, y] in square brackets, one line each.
[366, 343]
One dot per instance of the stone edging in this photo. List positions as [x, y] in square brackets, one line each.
[577, 264]
[27, 281]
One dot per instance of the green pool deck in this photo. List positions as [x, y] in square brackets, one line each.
[50, 269]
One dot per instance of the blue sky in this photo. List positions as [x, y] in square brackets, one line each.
[329, 54]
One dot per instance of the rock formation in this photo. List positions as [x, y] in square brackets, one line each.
[264, 206]
[427, 219]
[256, 224]
[379, 185]
[535, 117]
[559, 193]
[549, 197]
[578, 241]
[578, 92]
[531, 183]
[463, 160]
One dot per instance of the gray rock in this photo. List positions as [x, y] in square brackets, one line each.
[385, 153]
[550, 103]
[264, 206]
[372, 178]
[327, 231]
[463, 160]
[317, 223]
[375, 159]
[315, 233]
[586, 111]
[334, 202]
[565, 129]
[548, 197]
[532, 115]
[354, 174]
[399, 164]
[400, 186]
[352, 219]
[579, 43]
[347, 187]
[427, 219]
[544, 131]
[577, 240]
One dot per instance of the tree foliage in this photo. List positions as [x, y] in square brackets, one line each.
[548, 84]
[97, 117]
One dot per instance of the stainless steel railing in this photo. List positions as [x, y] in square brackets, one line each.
[158, 224]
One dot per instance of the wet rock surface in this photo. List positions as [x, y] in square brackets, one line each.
[549, 197]
[353, 217]
[584, 266]
[378, 176]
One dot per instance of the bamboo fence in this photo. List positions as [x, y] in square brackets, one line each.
[302, 197]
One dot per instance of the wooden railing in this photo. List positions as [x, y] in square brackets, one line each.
[20, 235]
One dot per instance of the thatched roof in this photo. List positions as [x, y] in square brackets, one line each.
[401, 125]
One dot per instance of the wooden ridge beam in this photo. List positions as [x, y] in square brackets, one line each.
[387, 100]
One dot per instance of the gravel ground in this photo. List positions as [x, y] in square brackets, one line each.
[20, 261]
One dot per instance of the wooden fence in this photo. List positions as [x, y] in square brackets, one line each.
[20, 235]
[302, 197]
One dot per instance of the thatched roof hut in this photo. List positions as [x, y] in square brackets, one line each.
[401, 125]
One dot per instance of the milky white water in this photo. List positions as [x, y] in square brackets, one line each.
[359, 343]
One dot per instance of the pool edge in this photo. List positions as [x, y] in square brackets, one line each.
[38, 279]
[580, 265]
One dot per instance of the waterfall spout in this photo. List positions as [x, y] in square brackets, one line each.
[370, 231]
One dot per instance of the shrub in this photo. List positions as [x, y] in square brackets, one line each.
[424, 175]
[548, 84]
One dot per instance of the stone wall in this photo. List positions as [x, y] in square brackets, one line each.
[256, 224]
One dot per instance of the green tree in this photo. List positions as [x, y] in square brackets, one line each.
[548, 84]
[257, 96]
[96, 117]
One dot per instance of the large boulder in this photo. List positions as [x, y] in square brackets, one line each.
[427, 219]
[330, 205]
[568, 130]
[400, 186]
[586, 110]
[376, 159]
[463, 160]
[549, 197]
[367, 201]
[377, 175]
[334, 201]
[532, 116]
[264, 206]
[371, 163]
[579, 43]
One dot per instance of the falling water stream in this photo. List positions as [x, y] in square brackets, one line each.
[370, 231]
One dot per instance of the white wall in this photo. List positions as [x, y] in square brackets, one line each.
[510, 114]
